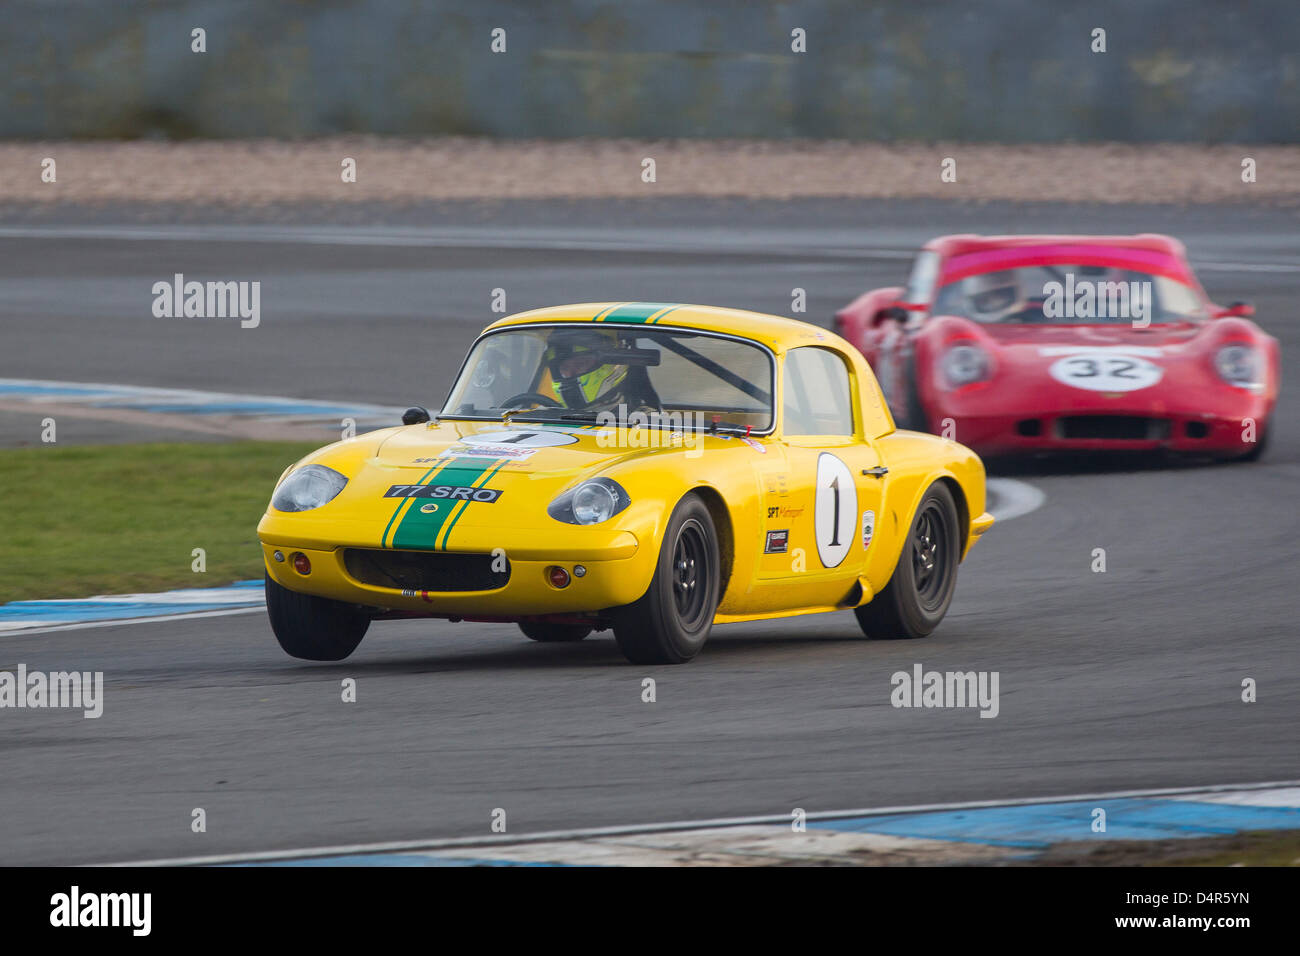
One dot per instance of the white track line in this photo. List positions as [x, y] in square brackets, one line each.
[514, 239]
[592, 832]
[1013, 498]
[115, 622]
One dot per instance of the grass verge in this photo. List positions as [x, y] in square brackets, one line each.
[115, 519]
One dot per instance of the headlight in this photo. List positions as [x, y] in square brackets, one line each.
[964, 364]
[309, 487]
[1238, 365]
[591, 502]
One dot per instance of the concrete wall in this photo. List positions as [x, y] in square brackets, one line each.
[997, 70]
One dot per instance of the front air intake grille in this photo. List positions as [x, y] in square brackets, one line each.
[1113, 427]
[426, 570]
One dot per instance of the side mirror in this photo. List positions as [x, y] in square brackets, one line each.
[415, 415]
[1241, 310]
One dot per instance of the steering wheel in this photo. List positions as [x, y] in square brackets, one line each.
[524, 398]
[1032, 314]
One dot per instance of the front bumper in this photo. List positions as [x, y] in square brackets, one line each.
[618, 571]
[994, 419]
[1113, 430]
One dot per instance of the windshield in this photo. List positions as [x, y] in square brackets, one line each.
[1070, 295]
[575, 372]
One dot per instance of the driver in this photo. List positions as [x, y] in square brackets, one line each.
[994, 296]
[584, 367]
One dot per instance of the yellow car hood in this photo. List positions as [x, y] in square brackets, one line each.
[419, 486]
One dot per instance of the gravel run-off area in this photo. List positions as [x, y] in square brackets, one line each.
[252, 173]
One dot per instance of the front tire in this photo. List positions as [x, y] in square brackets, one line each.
[313, 628]
[917, 596]
[671, 621]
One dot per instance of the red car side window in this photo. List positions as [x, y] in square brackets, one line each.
[920, 284]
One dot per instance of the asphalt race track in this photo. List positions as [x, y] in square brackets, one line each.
[1122, 680]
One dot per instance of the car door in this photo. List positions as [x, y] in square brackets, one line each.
[821, 495]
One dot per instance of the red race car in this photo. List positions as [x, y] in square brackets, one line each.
[1014, 344]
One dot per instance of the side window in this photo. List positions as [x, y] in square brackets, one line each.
[920, 284]
[816, 397]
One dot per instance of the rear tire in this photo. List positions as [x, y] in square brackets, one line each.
[548, 633]
[671, 621]
[917, 596]
[313, 628]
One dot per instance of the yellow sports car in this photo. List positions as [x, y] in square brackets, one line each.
[649, 467]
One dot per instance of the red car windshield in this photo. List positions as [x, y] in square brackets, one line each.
[1093, 285]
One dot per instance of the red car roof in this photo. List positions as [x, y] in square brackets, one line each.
[975, 255]
[967, 242]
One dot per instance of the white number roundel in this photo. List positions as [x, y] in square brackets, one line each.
[524, 438]
[835, 510]
[1106, 372]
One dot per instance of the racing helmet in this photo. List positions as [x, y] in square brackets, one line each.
[993, 296]
[583, 364]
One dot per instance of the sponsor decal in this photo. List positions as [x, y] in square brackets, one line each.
[868, 528]
[429, 508]
[756, 445]
[484, 450]
[1102, 371]
[778, 542]
[777, 485]
[781, 511]
[451, 492]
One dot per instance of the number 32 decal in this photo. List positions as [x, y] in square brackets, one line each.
[835, 510]
[1106, 372]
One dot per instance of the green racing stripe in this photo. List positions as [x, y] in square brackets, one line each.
[636, 312]
[418, 529]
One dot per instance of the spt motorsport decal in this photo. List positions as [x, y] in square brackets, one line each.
[455, 486]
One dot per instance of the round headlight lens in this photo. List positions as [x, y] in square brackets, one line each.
[964, 364]
[1237, 365]
[593, 503]
[309, 487]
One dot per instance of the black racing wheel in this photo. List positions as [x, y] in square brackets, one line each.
[672, 620]
[917, 596]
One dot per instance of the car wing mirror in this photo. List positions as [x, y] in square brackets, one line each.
[892, 313]
[1241, 310]
[415, 415]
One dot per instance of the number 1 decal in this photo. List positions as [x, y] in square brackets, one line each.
[835, 510]
[835, 522]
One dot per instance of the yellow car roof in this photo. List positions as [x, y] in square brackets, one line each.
[772, 330]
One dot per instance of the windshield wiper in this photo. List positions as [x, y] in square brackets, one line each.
[729, 428]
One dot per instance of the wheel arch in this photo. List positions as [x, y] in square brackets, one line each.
[721, 516]
[963, 507]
